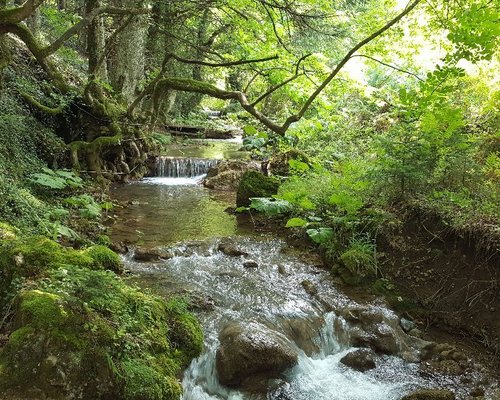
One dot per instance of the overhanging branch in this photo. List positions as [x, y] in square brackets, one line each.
[19, 14]
[222, 64]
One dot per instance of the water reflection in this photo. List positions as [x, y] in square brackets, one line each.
[159, 212]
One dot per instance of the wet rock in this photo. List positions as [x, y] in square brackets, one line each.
[197, 300]
[477, 392]
[313, 259]
[282, 270]
[304, 332]
[119, 247]
[151, 255]
[444, 367]
[407, 325]
[252, 351]
[227, 174]
[415, 332]
[361, 360]
[430, 394]
[379, 329]
[250, 264]
[309, 287]
[282, 392]
[231, 250]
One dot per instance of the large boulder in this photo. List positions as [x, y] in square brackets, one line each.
[430, 394]
[252, 352]
[378, 329]
[227, 175]
[361, 360]
[255, 184]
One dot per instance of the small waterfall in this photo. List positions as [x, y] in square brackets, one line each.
[173, 167]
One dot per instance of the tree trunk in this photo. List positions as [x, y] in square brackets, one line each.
[96, 43]
[127, 54]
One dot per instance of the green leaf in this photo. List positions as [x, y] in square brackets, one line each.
[320, 235]
[296, 223]
[249, 130]
[270, 206]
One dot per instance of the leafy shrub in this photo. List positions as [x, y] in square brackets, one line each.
[359, 257]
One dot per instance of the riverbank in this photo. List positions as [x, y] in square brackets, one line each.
[199, 269]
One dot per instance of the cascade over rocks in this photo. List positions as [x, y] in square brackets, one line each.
[379, 330]
[252, 353]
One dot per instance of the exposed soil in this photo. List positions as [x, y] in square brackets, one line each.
[455, 281]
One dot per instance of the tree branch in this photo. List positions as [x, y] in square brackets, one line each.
[294, 118]
[84, 22]
[19, 14]
[222, 64]
[390, 66]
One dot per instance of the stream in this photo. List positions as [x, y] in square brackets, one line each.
[172, 210]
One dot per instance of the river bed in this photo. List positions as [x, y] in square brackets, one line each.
[179, 214]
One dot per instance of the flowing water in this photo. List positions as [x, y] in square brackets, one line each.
[179, 214]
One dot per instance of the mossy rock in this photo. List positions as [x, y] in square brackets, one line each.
[105, 259]
[280, 164]
[142, 382]
[29, 258]
[255, 184]
[83, 333]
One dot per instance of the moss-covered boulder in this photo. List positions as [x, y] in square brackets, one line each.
[78, 331]
[255, 184]
[105, 259]
[7, 232]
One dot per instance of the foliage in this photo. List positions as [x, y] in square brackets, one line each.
[359, 257]
[59, 179]
[270, 206]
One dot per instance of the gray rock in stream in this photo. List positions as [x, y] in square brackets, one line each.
[231, 250]
[151, 255]
[430, 394]
[378, 329]
[250, 354]
[250, 264]
[361, 360]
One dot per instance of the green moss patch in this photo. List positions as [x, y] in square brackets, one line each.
[255, 184]
[78, 331]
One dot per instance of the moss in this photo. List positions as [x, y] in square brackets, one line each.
[42, 310]
[255, 184]
[29, 257]
[8, 232]
[87, 330]
[142, 382]
[48, 110]
[195, 86]
[21, 336]
[185, 332]
[104, 258]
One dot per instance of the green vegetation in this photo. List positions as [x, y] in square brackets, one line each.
[365, 114]
[71, 317]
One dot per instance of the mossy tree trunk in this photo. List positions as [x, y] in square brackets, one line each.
[127, 53]
[95, 43]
